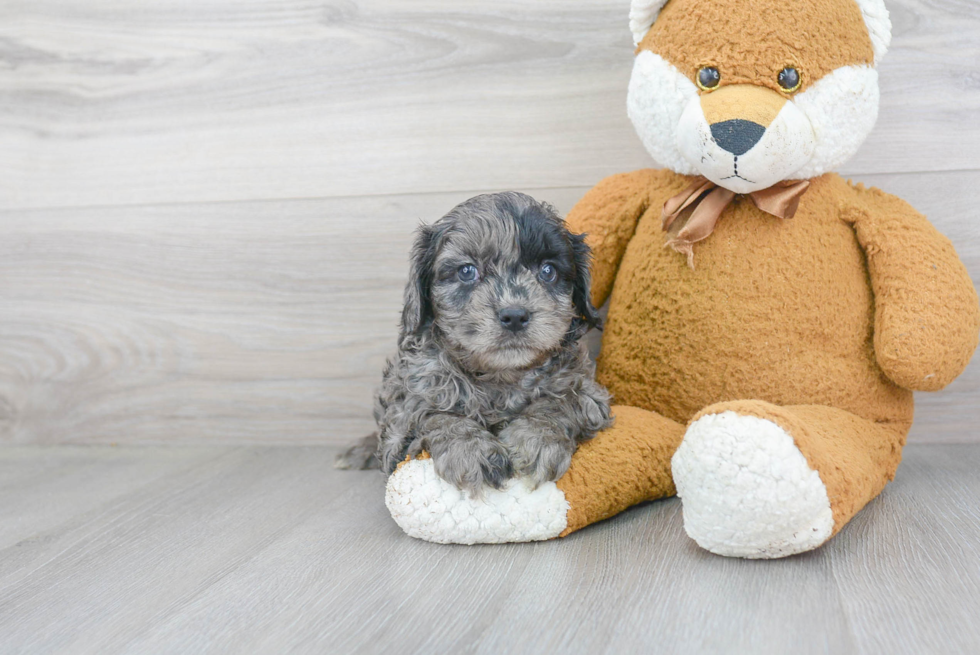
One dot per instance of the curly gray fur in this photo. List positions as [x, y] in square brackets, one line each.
[486, 401]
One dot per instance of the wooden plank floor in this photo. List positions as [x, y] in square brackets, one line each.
[270, 550]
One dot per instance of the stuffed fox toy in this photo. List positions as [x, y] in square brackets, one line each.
[768, 321]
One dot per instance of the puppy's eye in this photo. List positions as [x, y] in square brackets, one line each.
[708, 78]
[789, 79]
[548, 273]
[467, 273]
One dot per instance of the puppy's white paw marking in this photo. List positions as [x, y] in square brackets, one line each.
[427, 507]
[747, 490]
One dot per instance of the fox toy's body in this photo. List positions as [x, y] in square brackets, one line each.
[819, 325]
[768, 321]
[776, 309]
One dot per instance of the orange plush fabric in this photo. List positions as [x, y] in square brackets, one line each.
[835, 315]
[628, 465]
[751, 45]
[769, 382]
[856, 457]
[926, 308]
[776, 309]
[798, 341]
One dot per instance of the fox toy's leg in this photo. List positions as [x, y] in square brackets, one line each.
[761, 481]
[623, 465]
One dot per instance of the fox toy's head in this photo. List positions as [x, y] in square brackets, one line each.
[749, 93]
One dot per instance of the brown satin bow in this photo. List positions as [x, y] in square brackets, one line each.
[703, 202]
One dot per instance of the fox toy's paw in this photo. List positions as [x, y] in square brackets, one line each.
[427, 507]
[747, 490]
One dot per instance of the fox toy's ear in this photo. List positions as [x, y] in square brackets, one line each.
[879, 25]
[417, 314]
[643, 13]
[582, 289]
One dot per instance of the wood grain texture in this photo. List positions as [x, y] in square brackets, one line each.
[43, 488]
[200, 323]
[194, 323]
[107, 102]
[266, 550]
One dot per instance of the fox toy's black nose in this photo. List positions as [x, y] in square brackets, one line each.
[514, 319]
[737, 136]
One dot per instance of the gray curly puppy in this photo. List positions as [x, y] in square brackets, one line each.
[491, 377]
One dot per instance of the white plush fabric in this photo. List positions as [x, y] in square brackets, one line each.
[842, 108]
[879, 25]
[427, 507]
[643, 14]
[815, 132]
[787, 144]
[747, 490]
[658, 95]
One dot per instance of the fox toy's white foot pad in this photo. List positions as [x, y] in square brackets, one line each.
[427, 507]
[747, 491]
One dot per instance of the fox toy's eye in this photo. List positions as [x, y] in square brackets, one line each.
[548, 273]
[467, 273]
[708, 78]
[789, 79]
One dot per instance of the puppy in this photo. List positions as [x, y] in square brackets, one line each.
[491, 377]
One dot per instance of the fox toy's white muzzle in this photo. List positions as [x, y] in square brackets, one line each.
[750, 143]
[744, 138]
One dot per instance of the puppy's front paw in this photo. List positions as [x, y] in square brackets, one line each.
[540, 450]
[473, 462]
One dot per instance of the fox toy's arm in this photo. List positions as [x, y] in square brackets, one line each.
[927, 317]
[608, 214]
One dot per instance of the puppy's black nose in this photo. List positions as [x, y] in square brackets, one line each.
[737, 136]
[514, 319]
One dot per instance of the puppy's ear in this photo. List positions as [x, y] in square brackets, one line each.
[582, 289]
[417, 314]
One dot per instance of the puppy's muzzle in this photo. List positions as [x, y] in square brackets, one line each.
[514, 319]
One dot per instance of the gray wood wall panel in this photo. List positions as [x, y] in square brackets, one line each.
[264, 322]
[108, 102]
[205, 207]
